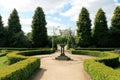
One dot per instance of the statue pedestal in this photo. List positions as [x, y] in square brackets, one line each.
[62, 55]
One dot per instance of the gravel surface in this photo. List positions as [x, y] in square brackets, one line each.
[52, 69]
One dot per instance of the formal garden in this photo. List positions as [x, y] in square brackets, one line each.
[18, 50]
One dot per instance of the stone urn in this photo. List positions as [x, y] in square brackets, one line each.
[62, 55]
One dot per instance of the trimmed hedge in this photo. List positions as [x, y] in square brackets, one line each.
[87, 52]
[2, 54]
[23, 65]
[96, 49]
[21, 70]
[37, 52]
[14, 57]
[23, 49]
[99, 71]
[101, 68]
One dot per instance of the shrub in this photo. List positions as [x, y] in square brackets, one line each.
[101, 68]
[37, 52]
[87, 52]
[21, 70]
[96, 49]
[3, 53]
[23, 66]
[13, 57]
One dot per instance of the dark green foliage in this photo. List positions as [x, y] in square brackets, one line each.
[54, 43]
[71, 42]
[88, 52]
[37, 52]
[29, 36]
[84, 30]
[50, 41]
[39, 31]
[100, 30]
[96, 49]
[14, 25]
[21, 41]
[115, 28]
[61, 39]
[16, 37]
[115, 21]
[3, 34]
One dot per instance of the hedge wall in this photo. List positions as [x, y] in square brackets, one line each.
[24, 49]
[23, 65]
[96, 49]
[21, 70]
[2, 54]
[36, 52]
[101, 68]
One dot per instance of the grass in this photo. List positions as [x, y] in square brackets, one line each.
[117, 69]
[2, 60]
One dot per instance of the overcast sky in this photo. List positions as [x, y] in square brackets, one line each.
[63, 13]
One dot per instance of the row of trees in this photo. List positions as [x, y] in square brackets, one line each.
[13, 36]
[100, 35]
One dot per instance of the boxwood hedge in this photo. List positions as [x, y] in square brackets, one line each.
[20, 70]
[101, 68]
[23, 65]
[37, 52]
[96, 49]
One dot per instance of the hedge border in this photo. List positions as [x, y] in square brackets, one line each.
[96, 49]
[99, 68]
[23, 66]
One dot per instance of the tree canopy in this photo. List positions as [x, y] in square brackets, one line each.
[100, 30]
[39, 31]
[84, 30]
[3, 34]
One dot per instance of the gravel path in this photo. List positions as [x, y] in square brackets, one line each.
[52, 69]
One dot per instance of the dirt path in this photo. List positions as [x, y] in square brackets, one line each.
[52, 69]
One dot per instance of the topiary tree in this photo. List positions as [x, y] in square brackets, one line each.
[3, 34]
[115, 28]
[39, 31]
[84, 31]
[100, 30]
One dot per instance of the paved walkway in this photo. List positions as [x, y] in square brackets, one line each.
[52, 69]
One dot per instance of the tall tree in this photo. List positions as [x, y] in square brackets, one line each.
[3, 34]
[39, 31]
[115, 28]
[14, 25]
[100, 30]
[84, 30]
[16, 36]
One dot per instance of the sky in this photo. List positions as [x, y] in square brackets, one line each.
[62, 13]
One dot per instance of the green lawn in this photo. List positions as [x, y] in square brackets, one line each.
[2, 60]
[118, 69]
